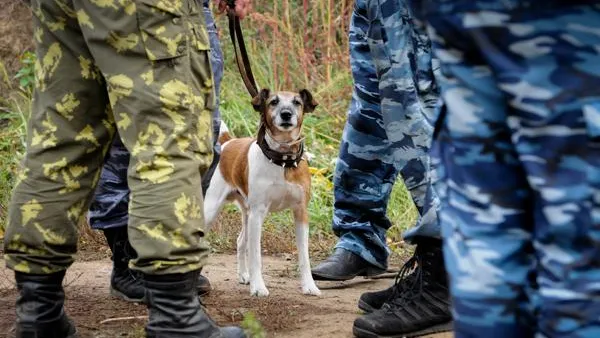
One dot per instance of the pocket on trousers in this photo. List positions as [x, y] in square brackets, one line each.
[170, 28]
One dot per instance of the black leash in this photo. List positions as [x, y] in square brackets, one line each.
[241, 55]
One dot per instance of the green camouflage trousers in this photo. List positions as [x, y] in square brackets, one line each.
[143, 67]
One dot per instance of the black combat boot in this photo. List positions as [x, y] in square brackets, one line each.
[125, 283]
[371, 301]
[344, 265]
[419, 303]
[40, 312]
[203, 285]
[174, 309]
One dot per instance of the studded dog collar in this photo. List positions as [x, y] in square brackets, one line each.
[287, 159]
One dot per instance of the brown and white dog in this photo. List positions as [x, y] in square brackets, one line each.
[266, 174]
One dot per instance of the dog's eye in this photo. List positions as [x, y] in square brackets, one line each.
[297, 103]
[274, 102]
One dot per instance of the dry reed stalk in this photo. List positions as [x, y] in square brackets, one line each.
[274, 50]
[304, 57]
[286, 55]
[329, 59]
[307, 44]
[314, 35]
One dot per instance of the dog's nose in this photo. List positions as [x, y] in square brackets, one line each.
[286, 115]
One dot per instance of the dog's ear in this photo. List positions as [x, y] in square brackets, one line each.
[258, 102]
[308, 101]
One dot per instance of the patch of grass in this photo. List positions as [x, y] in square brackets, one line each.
[14, 113]
[138, 331]
[252, 326]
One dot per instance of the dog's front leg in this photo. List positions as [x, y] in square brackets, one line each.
[242, 248]
[215, 199]
[307, 282]
[256, 217]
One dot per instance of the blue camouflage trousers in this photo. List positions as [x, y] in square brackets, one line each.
[518, 146]
[109, 207]
[388, 130]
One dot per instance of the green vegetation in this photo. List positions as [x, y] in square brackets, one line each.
[252, 326]
[14, 112]
[293, 45]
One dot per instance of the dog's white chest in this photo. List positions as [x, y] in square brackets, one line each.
[268, 185]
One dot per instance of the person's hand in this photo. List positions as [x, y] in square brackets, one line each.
[242, 7]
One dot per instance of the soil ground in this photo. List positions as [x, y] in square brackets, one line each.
[285, 313]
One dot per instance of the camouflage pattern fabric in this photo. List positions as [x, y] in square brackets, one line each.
[388, 131]
[110, 203]
[148, 62]
[519, 154]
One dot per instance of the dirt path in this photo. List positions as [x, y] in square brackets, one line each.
[285, 313]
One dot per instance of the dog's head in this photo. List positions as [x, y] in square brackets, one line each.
[283, 112]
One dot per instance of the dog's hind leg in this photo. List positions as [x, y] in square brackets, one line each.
[215, 198]
[256, 216]
[242, 248]
[307, 282]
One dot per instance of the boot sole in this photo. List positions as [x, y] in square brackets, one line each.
[13, 334]
[72, 335]
[368, 272]
[118, 294]
[444, 327]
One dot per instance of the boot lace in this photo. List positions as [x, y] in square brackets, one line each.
[408, 284]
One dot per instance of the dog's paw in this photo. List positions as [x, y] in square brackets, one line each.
[311, 290]
[244, 278]
[259, 291]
